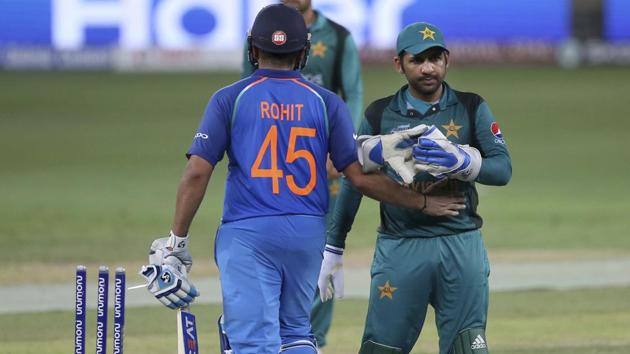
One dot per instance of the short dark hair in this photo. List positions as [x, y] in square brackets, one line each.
[282, 59]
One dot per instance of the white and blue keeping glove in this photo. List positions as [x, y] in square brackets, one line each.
[170, 250]
[436, 155]
[395, 149]
[169, 284]
[330, 281]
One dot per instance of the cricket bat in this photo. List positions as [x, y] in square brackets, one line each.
[186, 332]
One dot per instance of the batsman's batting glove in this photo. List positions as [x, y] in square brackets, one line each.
[436, 155]
[170, 250]
[330, 280]
[394, 149]
[169, 285]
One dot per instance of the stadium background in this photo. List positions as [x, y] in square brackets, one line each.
[99, 98]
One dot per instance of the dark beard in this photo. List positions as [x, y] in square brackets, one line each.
[425, 90]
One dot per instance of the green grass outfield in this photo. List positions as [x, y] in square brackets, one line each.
[91, 161]
[531, 322]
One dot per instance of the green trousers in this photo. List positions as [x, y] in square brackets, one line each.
[321, 318]
[449, 273]
[322, 312]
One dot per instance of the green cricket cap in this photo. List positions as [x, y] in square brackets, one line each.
[418, 37]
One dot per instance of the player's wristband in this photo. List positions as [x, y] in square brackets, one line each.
[334, 250]
[176, 242]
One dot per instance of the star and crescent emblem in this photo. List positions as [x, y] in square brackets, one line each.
[452, 129]
[334, 187]
[387, 290]
[427, 34]
[318, 49]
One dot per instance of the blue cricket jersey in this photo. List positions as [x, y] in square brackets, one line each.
[277, 129]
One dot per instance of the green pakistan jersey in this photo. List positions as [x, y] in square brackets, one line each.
[464, 118]
[333, 63]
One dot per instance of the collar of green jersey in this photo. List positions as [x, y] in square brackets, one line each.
[319, 23]
[399, 103]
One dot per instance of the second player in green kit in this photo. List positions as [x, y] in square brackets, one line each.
[423, 260]
[334, 64]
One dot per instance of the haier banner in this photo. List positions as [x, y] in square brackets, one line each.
[617, 20]
[222, 24]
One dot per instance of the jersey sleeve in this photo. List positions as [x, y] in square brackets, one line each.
[351, 81]
[365, 128]
[343, 214]
[347, 204]
[341, 143]
[496, 165]
[246, 67]
[211, 138]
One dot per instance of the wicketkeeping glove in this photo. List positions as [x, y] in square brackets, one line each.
[330, 280]
[394, 149]
[170, 250]
[441, 158]
[169, 285]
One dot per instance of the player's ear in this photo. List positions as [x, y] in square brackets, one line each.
[446, 57]
[398, 65]
[255, 56]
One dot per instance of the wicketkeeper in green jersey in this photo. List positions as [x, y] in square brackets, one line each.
[423, 260]
[333, 63]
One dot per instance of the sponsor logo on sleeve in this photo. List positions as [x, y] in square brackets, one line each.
[400, 128]
[496, 131]
[201, 136]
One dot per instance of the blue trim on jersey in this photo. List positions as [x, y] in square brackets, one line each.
[238, 98]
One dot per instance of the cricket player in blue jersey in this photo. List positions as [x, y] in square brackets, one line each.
[277, 130]
[334, 64]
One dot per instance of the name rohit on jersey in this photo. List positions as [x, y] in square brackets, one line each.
[281, 111]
